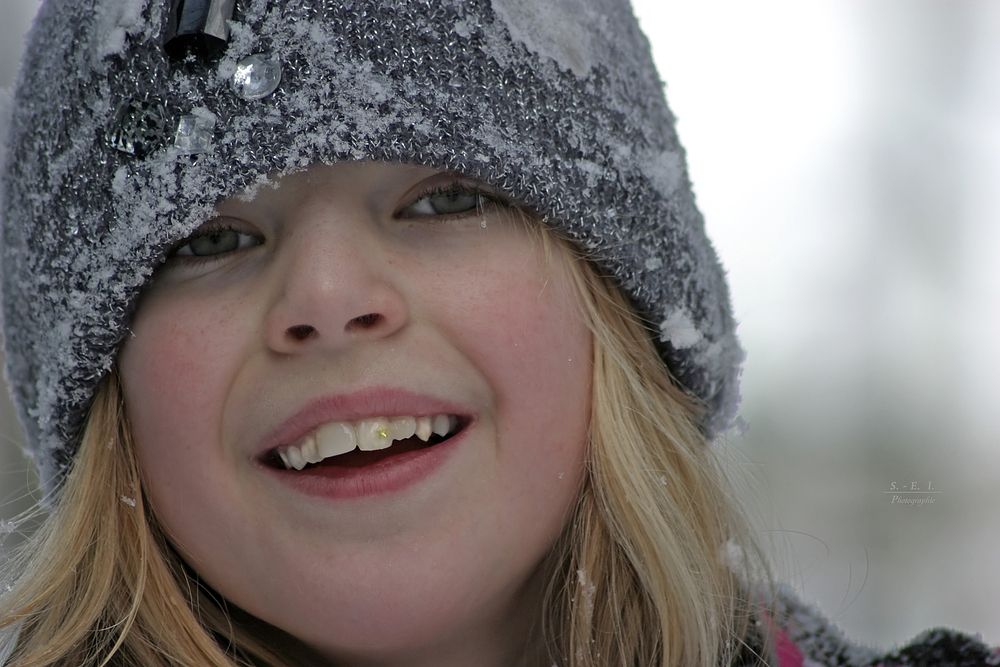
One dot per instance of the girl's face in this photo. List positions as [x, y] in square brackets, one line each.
[356, 303]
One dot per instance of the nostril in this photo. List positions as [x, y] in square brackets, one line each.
[364, 321]
[301, 331]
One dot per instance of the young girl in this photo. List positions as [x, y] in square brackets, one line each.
[374, 333]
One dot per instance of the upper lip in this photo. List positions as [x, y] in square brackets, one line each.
[361, 404]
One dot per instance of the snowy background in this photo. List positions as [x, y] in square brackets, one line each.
[846, 154]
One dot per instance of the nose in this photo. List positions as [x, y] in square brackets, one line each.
[333, 288]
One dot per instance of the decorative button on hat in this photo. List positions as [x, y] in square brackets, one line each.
[139, 128]
[195, 133]
[257, 76]
[198, 28]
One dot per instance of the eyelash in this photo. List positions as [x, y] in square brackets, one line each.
[199, 260]
[483, 197]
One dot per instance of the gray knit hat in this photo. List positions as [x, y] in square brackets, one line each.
[132, 118]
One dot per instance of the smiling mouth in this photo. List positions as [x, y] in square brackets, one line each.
[364, 442]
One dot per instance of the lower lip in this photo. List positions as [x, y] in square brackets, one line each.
[387, 476]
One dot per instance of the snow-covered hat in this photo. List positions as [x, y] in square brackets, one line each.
[132, 118]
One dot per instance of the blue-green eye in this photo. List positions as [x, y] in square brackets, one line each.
[449, 201]
[215, 242]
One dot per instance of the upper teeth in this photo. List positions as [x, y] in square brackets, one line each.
[338, 438]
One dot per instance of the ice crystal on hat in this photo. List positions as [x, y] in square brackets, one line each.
[194, 133]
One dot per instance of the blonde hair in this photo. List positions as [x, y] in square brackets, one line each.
[637, 578]
[646, 579]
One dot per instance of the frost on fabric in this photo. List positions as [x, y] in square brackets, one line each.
[6, 109]
[115, 21]
[576, 34]
[666, 170]
[679, 331]
[584, 138]
[557, 29]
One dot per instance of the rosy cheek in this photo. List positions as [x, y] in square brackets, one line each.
[542, 348]
[167, 372]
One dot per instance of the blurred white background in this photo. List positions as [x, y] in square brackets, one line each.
[846, 154]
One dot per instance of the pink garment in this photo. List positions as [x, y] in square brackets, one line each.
[797, 630]
[787, 653]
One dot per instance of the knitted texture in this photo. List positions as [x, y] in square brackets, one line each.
[556, 104]
[810, 640]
